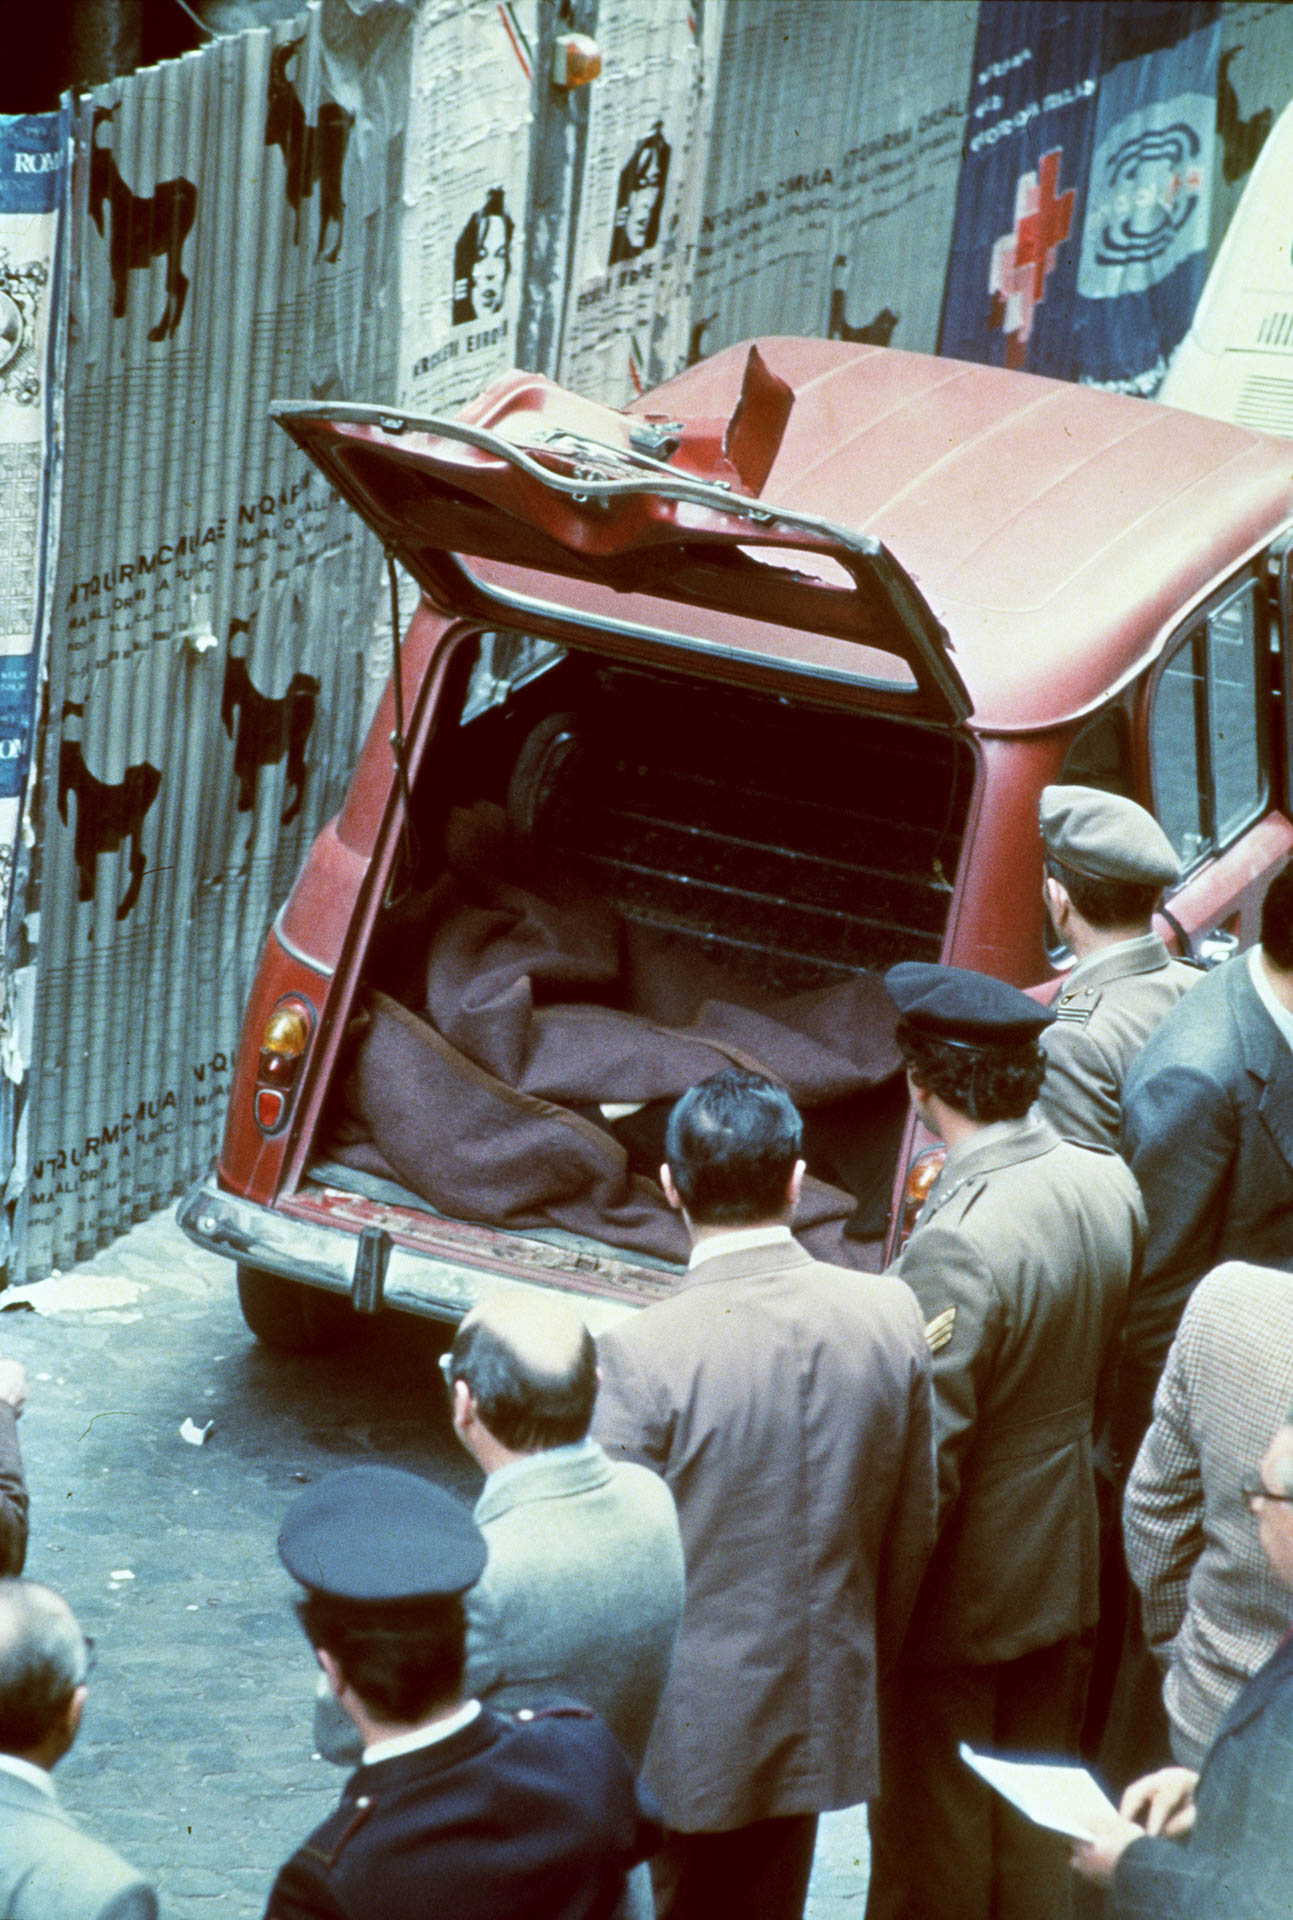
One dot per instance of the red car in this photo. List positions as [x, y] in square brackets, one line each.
[772, 667]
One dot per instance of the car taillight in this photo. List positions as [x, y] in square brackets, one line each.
[921, 1175]
[284, 1045]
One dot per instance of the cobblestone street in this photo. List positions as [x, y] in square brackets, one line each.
[195, 1759]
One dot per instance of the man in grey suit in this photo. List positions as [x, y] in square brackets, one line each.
[786, 1403]
[1208, 1133]
[582, 1589]
[49, 1869]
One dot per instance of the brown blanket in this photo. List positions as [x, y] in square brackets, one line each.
[517, 1010]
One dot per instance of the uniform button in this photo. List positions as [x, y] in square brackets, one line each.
[525, 1713]
[363, 1801]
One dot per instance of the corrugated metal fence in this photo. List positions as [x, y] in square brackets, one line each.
[371, 202]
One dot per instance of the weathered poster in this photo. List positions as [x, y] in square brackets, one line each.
[230, 221]
[1145, 231]
[1254, 85]
[33, 156]
[466, 179]
[628, 253]
[32, 170]
[1013, 265]
[834, 221]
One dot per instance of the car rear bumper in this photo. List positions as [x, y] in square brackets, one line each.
[367, 1266]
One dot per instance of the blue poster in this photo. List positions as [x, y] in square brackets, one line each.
[1012, 271]
[1144, 244]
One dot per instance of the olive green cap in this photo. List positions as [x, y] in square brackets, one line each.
[1106, 837]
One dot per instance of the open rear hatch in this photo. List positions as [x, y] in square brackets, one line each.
[536, 481]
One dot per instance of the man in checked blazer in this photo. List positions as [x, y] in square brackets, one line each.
[49, 1869]
[786, 1404]
[1192, 1846]
[1213, 1611]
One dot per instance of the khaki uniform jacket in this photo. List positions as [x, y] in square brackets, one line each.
[1104, 1013]
[787, 1405]
[1021, 1259]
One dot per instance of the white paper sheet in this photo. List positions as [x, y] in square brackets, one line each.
[1052, 1794]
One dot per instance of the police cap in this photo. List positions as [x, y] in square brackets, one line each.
[966, 1009]
[380, 1534]
[1107, 837]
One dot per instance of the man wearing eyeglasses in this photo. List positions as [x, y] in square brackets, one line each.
[1186, 1845]
[49, 1869]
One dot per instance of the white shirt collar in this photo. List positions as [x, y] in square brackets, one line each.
[422, 1736]
[1278, 1012]
[25, 1770]
[738, 1240]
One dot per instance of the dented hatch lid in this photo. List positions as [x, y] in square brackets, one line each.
[537, 483]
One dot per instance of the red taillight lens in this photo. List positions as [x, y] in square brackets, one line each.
[283, 1046]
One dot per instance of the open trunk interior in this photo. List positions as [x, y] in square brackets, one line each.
[627, 878]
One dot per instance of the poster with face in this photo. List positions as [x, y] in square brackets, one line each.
[465, 184]
[648, 132]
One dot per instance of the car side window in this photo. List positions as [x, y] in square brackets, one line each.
[1206, 765]
[1100, 756]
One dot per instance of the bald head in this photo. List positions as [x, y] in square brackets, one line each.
[530, 1365]
[42, 1664]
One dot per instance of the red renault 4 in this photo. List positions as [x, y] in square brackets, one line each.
[711, 710]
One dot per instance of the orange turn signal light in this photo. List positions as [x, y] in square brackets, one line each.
[287, 1032]
[921, 1175]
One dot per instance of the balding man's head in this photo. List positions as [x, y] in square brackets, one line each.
[43, 1662]
[530, 1365]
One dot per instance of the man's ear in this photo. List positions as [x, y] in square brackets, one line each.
[671, 1192]
[463, 1409]
[795, 1188]
[1056, 896]
[75, 1708]
[330, 1670]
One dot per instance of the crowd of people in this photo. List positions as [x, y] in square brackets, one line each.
[788, 1537]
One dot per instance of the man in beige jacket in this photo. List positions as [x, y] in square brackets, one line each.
[786, 1403]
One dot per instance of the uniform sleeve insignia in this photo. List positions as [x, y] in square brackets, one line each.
[1077, 1007]
[938, 1331]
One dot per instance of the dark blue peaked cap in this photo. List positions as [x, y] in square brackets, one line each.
[380, 1534]
[967, 1009]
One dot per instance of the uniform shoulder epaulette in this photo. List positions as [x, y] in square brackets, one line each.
[1076, 1008]
[570, 1710]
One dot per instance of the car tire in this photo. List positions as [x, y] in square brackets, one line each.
[291, 1316]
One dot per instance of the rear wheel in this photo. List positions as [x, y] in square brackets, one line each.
[291, 1316]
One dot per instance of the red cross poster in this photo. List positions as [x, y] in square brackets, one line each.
[1013, 263]
[1084, 205]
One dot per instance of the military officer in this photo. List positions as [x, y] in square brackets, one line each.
[1107, 862]
[455, 1808]
[1021, 1261]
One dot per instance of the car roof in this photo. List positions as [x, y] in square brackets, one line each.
[1054, 529]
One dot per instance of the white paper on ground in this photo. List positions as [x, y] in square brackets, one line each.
[1051, 1793]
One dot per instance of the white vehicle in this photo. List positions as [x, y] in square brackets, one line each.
[1236, 362]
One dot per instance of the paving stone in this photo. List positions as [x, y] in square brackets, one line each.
[196, 1757]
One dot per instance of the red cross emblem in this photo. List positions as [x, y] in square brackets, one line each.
[1022, 259]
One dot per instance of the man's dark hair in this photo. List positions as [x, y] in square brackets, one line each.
[43, 1660]
[731, 1146]
[1104, 904]
[984, 1083]
[405, 1659]
[525, 1409]
[1277, 920]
